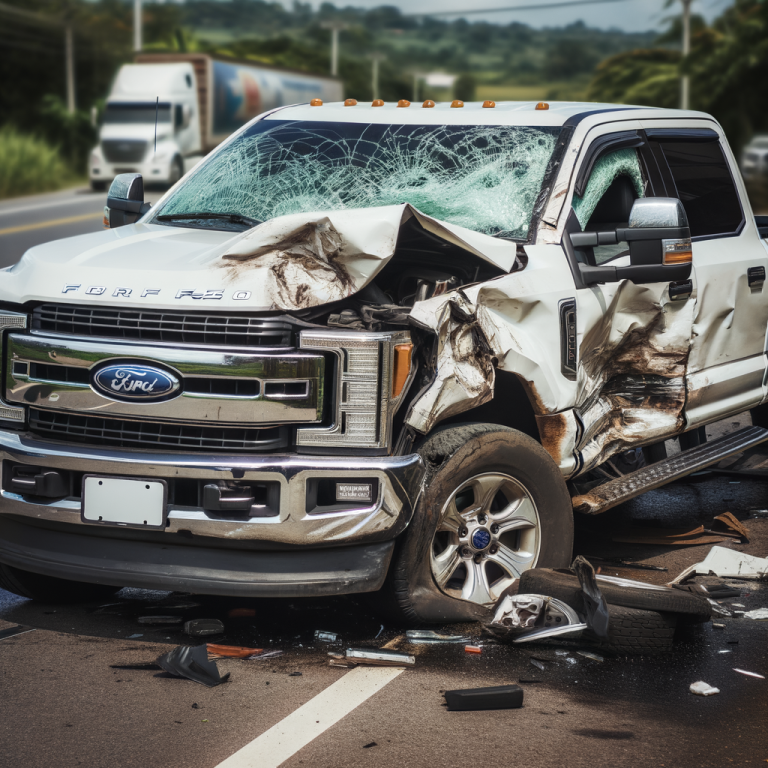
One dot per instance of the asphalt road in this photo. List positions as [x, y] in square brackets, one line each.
[29, 221]
[68, 700]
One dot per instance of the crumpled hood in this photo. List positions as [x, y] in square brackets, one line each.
[288, 263]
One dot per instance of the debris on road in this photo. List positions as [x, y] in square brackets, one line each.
[595, 606]
[474, 699]
[239, 652]
[624, 564]
[325, 637]
[671, 537]
[749, 674]
[204, 627]
[295, 674]
[528, 617]
[759, 614]
[473, 649]
[429, 636]
[718, 609]
[703, 689]
[241, 613]
[160, 619]
[730, 522]
[134, 637]
[718, 626]
[536, 663]
[590, 655]
[377, 657]
[727, 563]
[192, 663]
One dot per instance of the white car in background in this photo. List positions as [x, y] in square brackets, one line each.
[754, 158]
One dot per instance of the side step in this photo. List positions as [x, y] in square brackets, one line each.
[610, 494]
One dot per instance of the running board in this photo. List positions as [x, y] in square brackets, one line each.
[612, 493]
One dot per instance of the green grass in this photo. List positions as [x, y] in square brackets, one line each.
[29, 165]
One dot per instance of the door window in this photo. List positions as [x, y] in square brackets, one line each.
[705, 186]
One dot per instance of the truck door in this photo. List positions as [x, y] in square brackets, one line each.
[634, 339]
[727, 362]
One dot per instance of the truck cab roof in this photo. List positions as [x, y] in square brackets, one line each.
[557, 113]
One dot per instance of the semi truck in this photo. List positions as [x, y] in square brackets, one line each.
[166, 111]
[379, 348]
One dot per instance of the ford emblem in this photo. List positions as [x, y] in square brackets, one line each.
[135, 383]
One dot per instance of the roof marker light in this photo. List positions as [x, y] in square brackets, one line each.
[489, 104]
[377, 103]
[542, 105]
[350, 102]
[403, 103]
[457, 103]
[316, 103]
[428, 104]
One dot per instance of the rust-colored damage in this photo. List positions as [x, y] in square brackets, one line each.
[309, 254]
[555, 435]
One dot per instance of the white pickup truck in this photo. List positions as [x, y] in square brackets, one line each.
[366, 346]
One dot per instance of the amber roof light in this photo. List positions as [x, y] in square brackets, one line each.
[403, 103]
[316, 103]
[377, 103]
[457, 103]
[542, 105]
[428, 104]
[350, 102]
[489, 104]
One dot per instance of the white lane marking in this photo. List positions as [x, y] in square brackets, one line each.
[287, 737]
[99, 201]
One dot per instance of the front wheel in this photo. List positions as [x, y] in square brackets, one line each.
[495, 505]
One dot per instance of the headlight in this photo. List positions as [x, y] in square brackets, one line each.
[370, 382]
[17, 322]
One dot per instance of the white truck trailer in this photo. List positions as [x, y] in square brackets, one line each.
[165, 111]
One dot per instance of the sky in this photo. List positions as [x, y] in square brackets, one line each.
[628, 15]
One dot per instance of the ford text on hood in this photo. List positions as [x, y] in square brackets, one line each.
[351, 327]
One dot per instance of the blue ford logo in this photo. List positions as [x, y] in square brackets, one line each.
[134, 383]
[481, 538]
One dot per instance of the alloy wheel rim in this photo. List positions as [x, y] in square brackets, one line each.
[489, 533]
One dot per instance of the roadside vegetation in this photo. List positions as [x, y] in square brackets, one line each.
[29, 164]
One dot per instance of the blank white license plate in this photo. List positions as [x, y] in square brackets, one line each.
[133, 503]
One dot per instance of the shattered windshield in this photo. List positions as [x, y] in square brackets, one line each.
[485, 178]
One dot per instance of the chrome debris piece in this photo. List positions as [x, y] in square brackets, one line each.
[325, 637]
[203, 627]
[533, 617]
[701, 688]
[417, 636]
[759, 614]
[590, 655]
[749, 674]
[160, 619]
[377, 657]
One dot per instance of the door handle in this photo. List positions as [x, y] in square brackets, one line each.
[755, 276]
[681, 290]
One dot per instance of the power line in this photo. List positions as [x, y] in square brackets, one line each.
[537, 7]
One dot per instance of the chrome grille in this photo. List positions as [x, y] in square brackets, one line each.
[124, 151]
[153, 435]
[178, 327]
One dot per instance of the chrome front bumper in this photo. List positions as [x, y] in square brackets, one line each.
[400, 480]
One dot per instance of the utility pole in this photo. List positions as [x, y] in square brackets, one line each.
[376, 57]
[685, 81]
[335, 27]
[137, 43]
[69, 55]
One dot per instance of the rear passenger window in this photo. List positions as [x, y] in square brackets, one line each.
[705, 186]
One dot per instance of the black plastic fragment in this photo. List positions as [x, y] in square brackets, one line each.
[472, 699]
[192, 662]
[368, 746]
[594, 603]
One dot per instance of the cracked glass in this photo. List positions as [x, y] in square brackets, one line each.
[484, 178]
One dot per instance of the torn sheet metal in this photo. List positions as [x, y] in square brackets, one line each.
[307, 260]
[465, 374]
[631, 370]
[527, 617]
[727, 563]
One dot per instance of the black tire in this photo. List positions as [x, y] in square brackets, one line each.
[565, 586]
[455, 455]
[98, 186]
[48, 589]
[632, 631]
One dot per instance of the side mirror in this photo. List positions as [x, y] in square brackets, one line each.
[186, 115]
[125, 200]
[659, 245]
